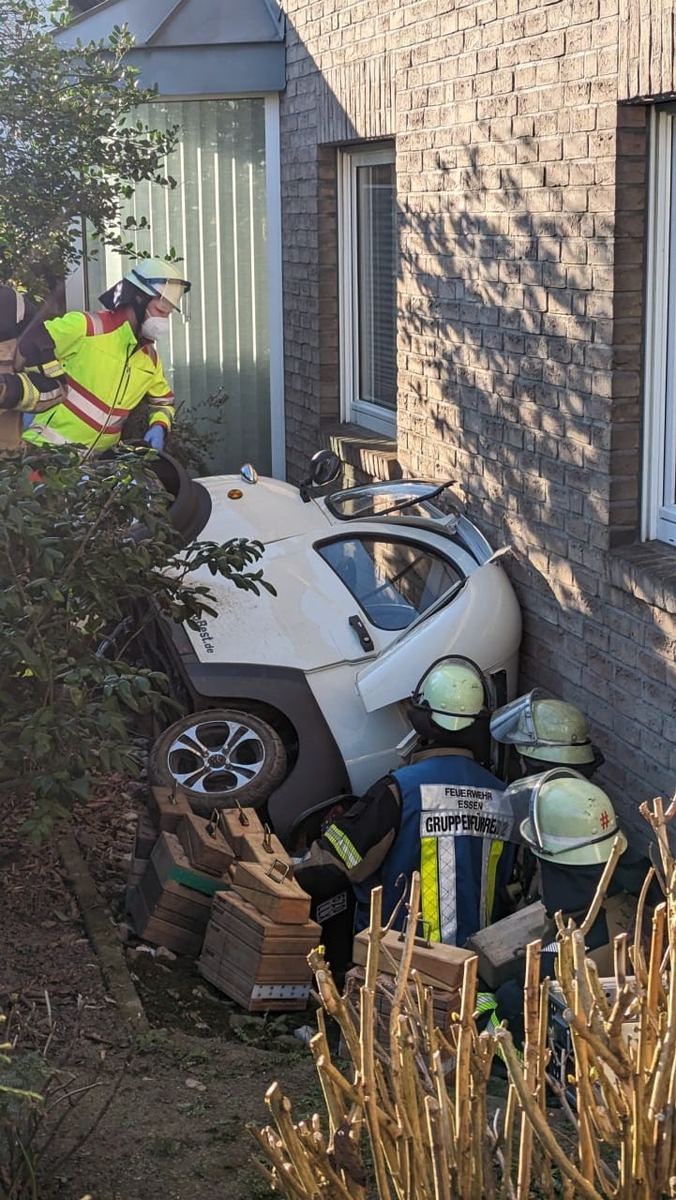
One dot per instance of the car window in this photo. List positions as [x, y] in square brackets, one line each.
[392, 581]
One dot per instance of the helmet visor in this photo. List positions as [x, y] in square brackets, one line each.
[519, 796]
[514, 723]
[171, 290]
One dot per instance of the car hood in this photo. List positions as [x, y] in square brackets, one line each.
[268, 511]
[305, 625]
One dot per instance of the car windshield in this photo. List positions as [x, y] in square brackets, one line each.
[410, 497]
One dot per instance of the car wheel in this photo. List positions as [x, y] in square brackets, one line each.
[219, 757]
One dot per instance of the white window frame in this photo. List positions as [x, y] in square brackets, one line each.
[352, 407]
[658, 515]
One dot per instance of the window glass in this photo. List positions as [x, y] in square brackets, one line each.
[368, 286]
[377, 271]
[393, 582]
[411, 498]
[659, 463]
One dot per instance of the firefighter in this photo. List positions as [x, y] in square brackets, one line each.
[110, 361]
[546, 733]
[570, 825]
[441, 814]
[21, 390]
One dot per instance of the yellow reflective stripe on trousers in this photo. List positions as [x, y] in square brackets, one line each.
[342, 846]
[430, 901]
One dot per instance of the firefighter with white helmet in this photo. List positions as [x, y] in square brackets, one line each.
[441, 814]
[109, 361]
[570, 822]
[571, 826]
[546, 732]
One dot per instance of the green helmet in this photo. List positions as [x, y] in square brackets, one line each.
[453, 691]
[160, 279]
[543, 728]
[570, 820]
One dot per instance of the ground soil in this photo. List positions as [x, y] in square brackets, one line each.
[165, 1108]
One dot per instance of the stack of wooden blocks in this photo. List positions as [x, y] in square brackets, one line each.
[224, 888]
[180, 861]
[437, 966]
[259, 933]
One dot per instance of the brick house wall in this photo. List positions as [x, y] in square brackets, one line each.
[520, 129]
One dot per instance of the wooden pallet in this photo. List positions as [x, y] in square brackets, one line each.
[258, 962]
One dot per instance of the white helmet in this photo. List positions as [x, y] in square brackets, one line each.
[570, 820]
[544, 728]
[158, 278]
[453, 691]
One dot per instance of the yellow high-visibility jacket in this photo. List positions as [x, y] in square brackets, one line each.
[107, 375]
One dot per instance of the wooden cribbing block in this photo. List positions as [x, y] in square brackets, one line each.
[158, 927]
[501, 947]
[445, 1003]
[185, 906]
[271, 891]
[204, 844]
[279, 994]
[166, 807]
[250, 839]
[437, 965]
[173, 865]
[258, 962]
[145, 837]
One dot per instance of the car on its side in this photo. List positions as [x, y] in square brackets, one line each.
[297, 697]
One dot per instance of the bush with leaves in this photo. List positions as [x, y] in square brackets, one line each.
[71, 143]
[81, 546]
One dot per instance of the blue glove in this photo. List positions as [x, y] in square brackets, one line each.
[155, 437]
[27, 420]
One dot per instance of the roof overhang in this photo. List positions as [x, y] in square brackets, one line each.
[194, 47]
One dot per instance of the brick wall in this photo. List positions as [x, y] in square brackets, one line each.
[521, 192]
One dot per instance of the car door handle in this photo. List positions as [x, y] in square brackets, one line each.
[362, 633]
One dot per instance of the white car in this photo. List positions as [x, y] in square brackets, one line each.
[301, 696]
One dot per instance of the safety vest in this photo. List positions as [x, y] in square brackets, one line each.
[454, 826]
[107, 375]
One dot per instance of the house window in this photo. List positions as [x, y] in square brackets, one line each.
[659, 467]
[368, 288]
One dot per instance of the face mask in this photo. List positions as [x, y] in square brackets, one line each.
[155, 327]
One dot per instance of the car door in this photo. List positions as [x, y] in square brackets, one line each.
[392, 578]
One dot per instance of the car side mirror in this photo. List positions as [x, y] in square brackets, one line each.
[324, 468]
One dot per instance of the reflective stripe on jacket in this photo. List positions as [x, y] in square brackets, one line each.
[108, 375]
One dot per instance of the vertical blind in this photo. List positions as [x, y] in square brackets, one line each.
[217, 358]
[377, 273]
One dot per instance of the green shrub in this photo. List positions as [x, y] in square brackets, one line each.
[82, 545]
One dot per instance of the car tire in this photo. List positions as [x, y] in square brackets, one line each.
[219, 757]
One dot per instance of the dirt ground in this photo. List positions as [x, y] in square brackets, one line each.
[165, 1108]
